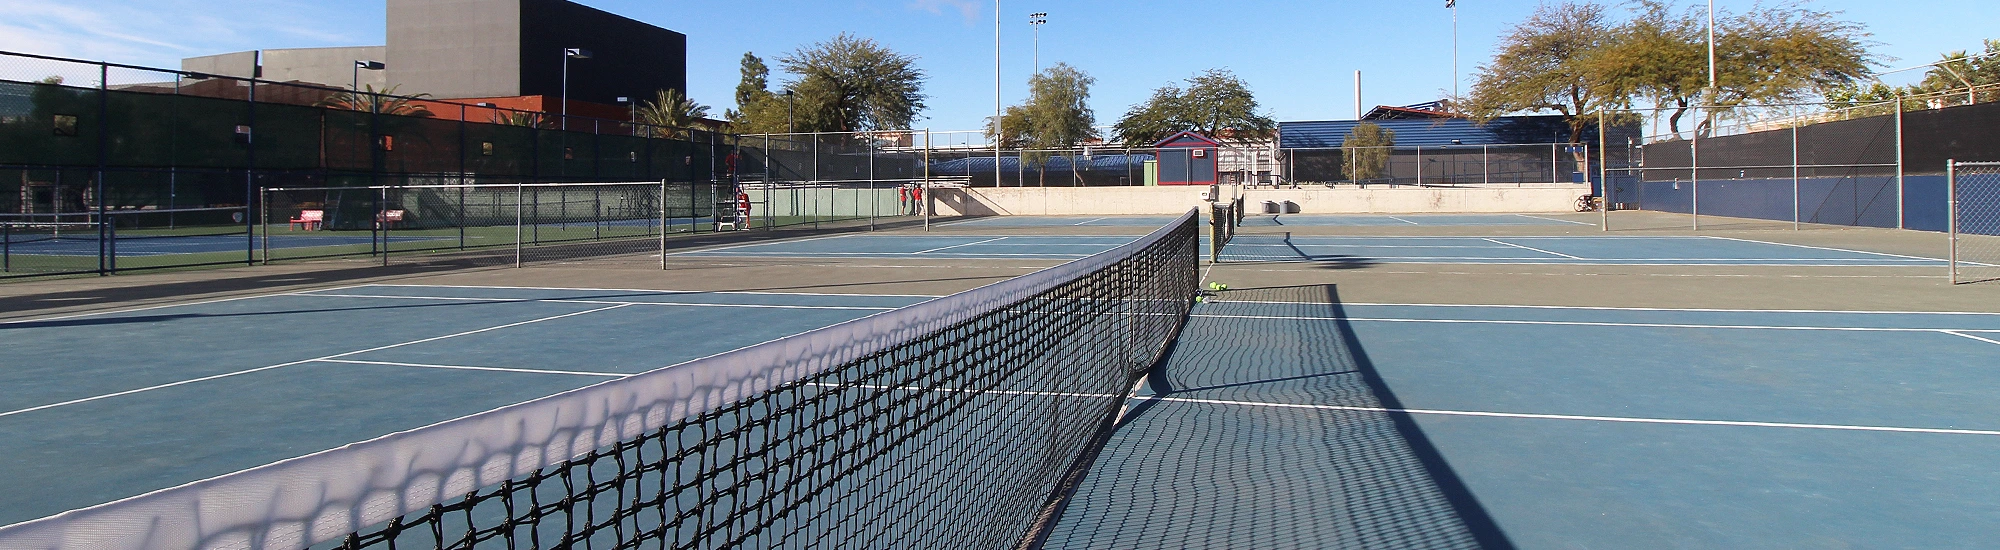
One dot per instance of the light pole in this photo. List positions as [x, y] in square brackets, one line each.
[789, 128]
[358, 66]
[1453, 6]
[1036, 20]
[568, 54]
[996, 93]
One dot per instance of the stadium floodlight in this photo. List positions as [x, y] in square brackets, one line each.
[1036, 20]
[568, 54]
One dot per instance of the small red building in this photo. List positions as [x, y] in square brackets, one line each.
[1187, 158]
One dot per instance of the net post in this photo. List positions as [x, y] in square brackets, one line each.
[518, 199]
[1900, 212]
[1951, 213]
[110, 231]
[1694, 183]
[382, 220]
[1795, 181]
[1603, 173]
[264, 198]
[663, 223]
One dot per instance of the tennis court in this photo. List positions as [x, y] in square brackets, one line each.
[1296, 220]
[988, 247]
[1290, 419]
[110, 406]
[1566, 249]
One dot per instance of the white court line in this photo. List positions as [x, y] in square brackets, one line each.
[1497, 241]
[1620, 419]
[1450, 260]
[658, 291]
[743, 254]
[282, 365]
[1088, 222]
[763, 243]
[1583, 323]
[1986, 340]
[163, 306]
[464, 367]
[1556, 220]
[1824, 248]
[597, 302]
[958, 245]
[1402, 220]
[1608, 308]
[1233, 244]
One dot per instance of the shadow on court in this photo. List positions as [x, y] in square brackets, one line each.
[1259, 432]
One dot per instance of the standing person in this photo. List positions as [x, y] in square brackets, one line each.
[742, 208]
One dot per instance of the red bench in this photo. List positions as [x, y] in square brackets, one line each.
[388, 218]
[309, 220]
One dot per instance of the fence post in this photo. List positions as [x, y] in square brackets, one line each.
[110, 227]
[103, 154]
[382, 219]
[1420, 166]
[1951, 213]
[770, 191]
[663, 214]
[1555, 163]
[1486, 166]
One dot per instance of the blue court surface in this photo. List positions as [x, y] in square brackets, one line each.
[1268, 220]
[1294, 424]
[105, 406]
[1579, 250]
[992, 247]
[1403, 220]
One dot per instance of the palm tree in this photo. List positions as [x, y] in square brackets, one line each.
[670, 110]
[384, 101]
[522, 118]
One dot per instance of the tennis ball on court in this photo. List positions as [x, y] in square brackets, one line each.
[1218, 286]
[1200, 298]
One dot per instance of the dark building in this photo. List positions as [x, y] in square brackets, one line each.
[505, 48]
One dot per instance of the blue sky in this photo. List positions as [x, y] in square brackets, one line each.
[1299, 56]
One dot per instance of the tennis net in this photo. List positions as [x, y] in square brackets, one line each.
[1223, 220]
[955, 423]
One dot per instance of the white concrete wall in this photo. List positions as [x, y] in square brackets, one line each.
[1558, 198]
[1067, 201]
[1111, 201]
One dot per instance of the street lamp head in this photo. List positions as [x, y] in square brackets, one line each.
[369, 65]
[576, 53]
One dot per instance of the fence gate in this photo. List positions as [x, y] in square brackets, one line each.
[1975, 221]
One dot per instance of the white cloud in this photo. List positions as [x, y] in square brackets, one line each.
[971, 9]
[160, 32]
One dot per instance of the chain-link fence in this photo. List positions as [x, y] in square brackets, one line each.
[1436, 166]
[1975, 221]
[517, 224]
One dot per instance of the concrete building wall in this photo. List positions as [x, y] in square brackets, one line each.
[236, 64]
[333, 67]
[630, 58]
[455, 48]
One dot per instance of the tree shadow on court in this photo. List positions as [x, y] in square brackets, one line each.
[1268, 427]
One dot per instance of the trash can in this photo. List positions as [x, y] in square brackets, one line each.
[1271, 207]
[1291, 207]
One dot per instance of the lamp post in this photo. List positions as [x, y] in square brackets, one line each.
[1036, 20]
[568, 54]
[996, 93]
[358, 66]
[789, 128]
[1453, 6]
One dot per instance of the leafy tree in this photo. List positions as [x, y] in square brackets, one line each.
[1547, 63]
[522, 118]
[1215, 103]
[671, 111]
[758, 111]
[1056, 116]
[849, 84]
[1367, 150]
[1783, 54]
[1660, 55]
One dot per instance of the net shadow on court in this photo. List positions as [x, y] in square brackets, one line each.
[1204, 460]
